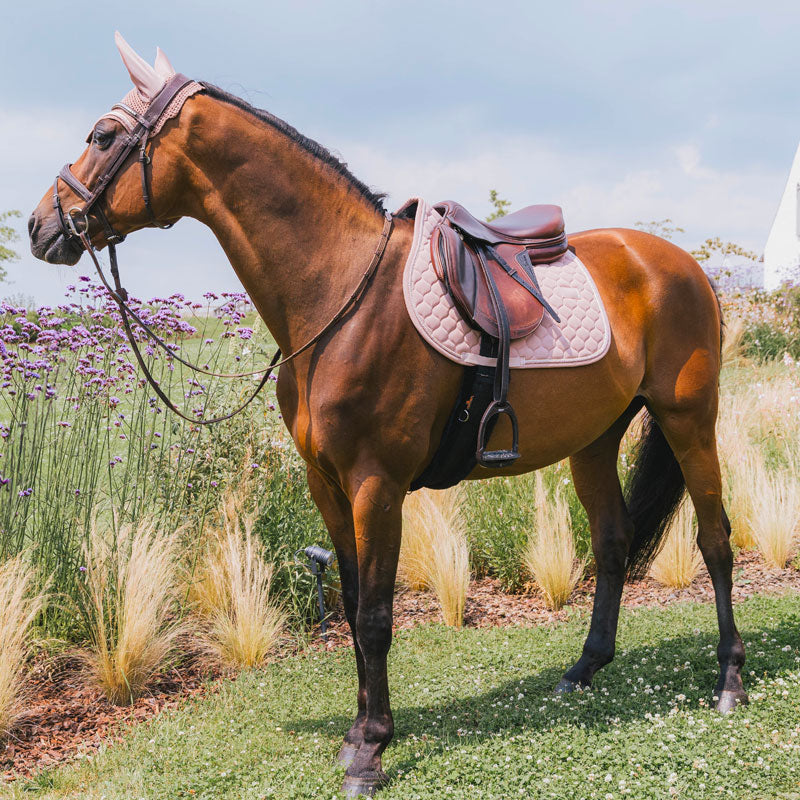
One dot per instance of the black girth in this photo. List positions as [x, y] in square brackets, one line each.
[456, 457]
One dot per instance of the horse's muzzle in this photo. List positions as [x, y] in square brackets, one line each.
[49, 244]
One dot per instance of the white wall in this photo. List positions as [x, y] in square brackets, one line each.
[782, 251]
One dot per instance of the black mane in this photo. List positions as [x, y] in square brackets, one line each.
[309, 145]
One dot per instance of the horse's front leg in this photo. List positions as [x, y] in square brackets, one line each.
[338, 516]
[377, 516]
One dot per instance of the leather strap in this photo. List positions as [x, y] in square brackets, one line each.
[120, 296]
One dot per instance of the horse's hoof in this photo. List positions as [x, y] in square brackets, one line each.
[566, 686]
[363, 787]
[729, 700]
[347, 753]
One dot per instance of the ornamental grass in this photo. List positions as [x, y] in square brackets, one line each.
[550, 555]
[20, 603]
[775, 514]
[129, 604]
[434, 553]
[679, 559]
[240, 623]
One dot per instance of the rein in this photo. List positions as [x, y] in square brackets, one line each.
[75, 224]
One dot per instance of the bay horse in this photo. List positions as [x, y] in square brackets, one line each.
[367, 404]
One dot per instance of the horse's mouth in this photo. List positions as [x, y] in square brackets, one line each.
[58, 249]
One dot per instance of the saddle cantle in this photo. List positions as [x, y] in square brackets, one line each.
[488, 271]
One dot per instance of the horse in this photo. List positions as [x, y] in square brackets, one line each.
[367, 402]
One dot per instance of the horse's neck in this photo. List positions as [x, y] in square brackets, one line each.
[298, 236]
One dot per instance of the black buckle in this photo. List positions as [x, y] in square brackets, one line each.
[497, 459]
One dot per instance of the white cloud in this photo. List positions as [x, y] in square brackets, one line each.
[594, 189]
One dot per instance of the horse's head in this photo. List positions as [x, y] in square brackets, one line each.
[106, 193]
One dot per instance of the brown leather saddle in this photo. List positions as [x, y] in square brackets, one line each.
[488, 271]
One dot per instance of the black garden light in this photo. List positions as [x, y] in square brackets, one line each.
[318, 559]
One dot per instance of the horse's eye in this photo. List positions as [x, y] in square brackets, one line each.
[102, 139]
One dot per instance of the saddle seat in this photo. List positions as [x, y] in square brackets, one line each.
[531, 225]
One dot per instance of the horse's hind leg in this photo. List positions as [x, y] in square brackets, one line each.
[691, 435]
[594, 471]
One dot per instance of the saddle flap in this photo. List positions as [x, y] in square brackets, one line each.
[458, 265]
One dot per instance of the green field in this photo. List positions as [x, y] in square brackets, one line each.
[474, 719]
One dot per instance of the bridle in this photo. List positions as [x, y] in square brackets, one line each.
[74, 225]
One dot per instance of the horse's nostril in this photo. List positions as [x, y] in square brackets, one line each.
[31, 224]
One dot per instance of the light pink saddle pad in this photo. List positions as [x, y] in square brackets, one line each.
[582, 337]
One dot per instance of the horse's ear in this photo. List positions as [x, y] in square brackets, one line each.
[144, 77]
[164, 69]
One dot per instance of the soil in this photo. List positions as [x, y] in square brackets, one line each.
[64, 719]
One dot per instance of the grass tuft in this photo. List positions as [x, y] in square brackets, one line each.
[434, 552]
[679, 559]
[775, 516]
[240, 622]
[19, 605]
[550, 554]
[129, 601]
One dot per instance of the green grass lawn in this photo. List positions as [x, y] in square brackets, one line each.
[475, 719]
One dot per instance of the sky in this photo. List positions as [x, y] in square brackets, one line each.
[619, 111]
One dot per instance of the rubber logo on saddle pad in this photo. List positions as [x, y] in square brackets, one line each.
[582, 337]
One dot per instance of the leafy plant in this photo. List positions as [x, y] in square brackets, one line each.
[7, 234]
[499, 205]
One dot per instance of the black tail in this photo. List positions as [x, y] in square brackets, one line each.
[653, 493]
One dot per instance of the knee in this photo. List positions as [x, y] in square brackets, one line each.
[374, 632]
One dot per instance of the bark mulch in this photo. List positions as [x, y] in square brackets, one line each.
[64, 719]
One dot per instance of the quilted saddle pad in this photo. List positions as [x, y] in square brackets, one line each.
[582, 337]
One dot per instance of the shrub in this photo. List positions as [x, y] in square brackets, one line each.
[129, 604]
[20, 603]
[434, 552]
[679, 559]
[550, 555]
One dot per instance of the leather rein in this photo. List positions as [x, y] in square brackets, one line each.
[75, 225]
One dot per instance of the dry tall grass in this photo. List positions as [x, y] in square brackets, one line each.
[550, 555]
[434, 552]
[19, 605]
[129, 602]
[679, 559]
[732, 341]
[775, 514]
[738, 470]
[240, 622]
